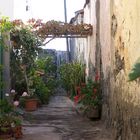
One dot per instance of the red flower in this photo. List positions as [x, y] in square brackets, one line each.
[94, 90]
[97, 77]
[76, 98]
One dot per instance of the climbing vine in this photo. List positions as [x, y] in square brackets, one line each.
[55, 28]
[5, 26]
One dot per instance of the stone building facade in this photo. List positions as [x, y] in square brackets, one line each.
[113, 49]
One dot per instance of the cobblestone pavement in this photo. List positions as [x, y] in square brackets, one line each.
[59, 120]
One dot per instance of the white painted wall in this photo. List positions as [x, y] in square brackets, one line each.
[20, 10]
[84, 48]
[15, 9]
[6, 8]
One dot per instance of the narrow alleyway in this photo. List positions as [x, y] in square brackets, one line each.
[59, 120]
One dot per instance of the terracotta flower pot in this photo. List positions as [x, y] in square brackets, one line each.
[92, 113]
[17, 132]
[31, 104]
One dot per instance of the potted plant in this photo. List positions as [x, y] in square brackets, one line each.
[7, 119]
[29, 97]
[30, 101]
[91, 99]
[72, 74]
[24, 51]
[10, 116]
[17, 128]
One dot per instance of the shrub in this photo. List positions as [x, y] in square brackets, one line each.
[71, 74]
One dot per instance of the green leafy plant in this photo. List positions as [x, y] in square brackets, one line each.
[42, 80]
[23, 54]
[9, 118]
[17, 121]
[5, 24]
[48, 67]
[41, 90]
[135, 72]
[5, 27]
[91, 94]
[7, 114]
[5, 108]
[72, 74]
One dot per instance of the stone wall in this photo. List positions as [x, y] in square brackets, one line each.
[119, 42]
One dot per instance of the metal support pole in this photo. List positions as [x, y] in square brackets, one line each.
[67, 42]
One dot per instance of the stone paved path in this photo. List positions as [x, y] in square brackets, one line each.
[59, 121]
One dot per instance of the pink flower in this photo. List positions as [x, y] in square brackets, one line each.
[25, 94]
[7, 94]
[16, 103]
[13, 91]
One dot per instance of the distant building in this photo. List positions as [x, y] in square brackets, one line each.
[77, 45]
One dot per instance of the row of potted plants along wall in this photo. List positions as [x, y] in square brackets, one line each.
[88, 98]
[86, 95]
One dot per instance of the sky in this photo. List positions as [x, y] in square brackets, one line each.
[54, 10]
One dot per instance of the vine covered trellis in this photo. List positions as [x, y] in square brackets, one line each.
[51, 29]
[56, 28]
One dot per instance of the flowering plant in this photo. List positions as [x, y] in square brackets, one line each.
[29, 95]
[9, 115]
[91, 94]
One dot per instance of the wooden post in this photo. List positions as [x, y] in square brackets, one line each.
[6, 63]
[1, 52]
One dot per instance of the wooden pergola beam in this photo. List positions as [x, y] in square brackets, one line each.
[67, 36]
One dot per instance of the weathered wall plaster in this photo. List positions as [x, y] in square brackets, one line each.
[119, 29]
[113, 49]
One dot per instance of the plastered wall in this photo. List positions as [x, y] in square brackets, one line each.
[119, 38]
[113, 49]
